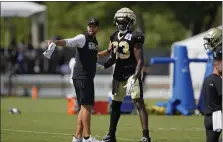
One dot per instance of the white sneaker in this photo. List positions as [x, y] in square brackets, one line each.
[76, 140]
[91, 139]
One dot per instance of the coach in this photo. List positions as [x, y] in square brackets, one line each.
[83, 75]
[212, 90]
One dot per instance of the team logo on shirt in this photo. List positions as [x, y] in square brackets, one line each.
[92, 46]
[128, 36]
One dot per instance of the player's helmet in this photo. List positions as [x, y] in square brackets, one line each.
[212, 39]
[124, 19]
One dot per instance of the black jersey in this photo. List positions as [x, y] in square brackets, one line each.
[86, 58]
[212, 91]
[123, 47]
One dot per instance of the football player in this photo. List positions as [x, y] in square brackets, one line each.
[213, 41]
[126, 51]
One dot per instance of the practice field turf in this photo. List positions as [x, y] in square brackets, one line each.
[46, 120]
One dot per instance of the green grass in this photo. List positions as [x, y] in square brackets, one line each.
[46, 120]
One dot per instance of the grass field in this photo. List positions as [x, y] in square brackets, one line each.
[46, 120]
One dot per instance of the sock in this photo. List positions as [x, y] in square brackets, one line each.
[86, 137]
[145, 133]
[114, 117]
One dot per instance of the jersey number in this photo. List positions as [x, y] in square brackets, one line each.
[125, 49]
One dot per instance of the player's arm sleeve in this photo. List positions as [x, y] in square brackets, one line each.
[77, 41]
[139, 38]
[138, 52]
[111, 60]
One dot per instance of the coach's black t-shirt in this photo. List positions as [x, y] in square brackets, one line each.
[86, 55]
[212, 91]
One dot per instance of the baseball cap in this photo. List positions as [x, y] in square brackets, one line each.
[93, 21]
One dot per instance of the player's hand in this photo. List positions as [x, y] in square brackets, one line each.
[100, 66]
[130, 86]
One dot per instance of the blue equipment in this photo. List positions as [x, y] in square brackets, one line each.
[182, 92]
[127, 105]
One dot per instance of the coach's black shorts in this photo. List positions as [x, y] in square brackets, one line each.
[84, 91]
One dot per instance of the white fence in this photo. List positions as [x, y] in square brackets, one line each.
[59, 86]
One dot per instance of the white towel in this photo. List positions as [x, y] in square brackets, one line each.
[50, 50]
[217, 121]
[71, 66]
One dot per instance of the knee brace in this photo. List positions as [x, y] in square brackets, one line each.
[116, 106]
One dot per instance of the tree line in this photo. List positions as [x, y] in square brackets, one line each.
[161, 22]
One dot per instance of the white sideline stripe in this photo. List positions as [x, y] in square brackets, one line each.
[62, 134]
[36, 132]
[125, 139]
